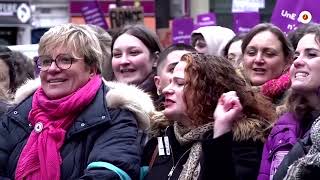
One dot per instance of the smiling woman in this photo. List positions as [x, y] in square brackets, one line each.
[302, 105]
[134, 57]
[67, 124]
[267, 56]
[7, 71]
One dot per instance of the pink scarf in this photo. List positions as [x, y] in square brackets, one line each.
[275, 87]
[40, 157]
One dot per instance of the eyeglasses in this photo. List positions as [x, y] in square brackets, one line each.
[63, 61]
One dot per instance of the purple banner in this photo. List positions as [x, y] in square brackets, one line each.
[288, 15]
[181, 30]
[93, 15]
[244, 21]
[76, 6]
[208, 19]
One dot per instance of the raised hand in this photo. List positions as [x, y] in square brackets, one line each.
[227, 111]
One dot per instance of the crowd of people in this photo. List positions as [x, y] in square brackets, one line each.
[120, 106]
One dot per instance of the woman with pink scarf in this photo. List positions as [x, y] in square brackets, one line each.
[267, 56]
[70, 124]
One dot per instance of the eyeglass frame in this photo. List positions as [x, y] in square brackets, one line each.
[37, 58]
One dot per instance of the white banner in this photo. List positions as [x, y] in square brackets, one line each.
[247, 5]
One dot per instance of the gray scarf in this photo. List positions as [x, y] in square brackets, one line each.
[296, 170]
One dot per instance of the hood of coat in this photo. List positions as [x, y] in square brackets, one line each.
[120, 95]
[216, 38]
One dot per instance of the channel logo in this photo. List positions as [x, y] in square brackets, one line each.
[305, 17]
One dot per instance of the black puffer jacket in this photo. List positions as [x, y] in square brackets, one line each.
[99, 134]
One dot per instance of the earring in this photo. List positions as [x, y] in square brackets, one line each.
[158, 92]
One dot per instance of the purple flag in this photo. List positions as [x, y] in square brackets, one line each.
[207, 19]
[93, 14]
[76, 5]
[244, 21]
[181, 30]
[288, 15]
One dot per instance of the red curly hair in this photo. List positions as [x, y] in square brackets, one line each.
[207, 78]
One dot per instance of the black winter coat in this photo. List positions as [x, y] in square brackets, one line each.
[98, 134]
[221, 159]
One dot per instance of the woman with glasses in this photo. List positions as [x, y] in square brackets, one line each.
[69, 124]
[205, 132]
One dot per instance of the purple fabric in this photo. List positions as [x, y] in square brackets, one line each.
[244, 21]
[181, 30]
[207, 19]
[283, 136]
[287, 15]
[93, 14]
[76, 5]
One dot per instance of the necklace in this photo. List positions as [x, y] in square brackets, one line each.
[174, 166]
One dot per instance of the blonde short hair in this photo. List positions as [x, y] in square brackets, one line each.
[79, 39]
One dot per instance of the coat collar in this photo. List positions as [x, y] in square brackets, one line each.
[254, 127]
[92, 116]
[95, 114]
[114, 95]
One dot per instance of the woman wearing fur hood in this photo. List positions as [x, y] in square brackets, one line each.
[70, 124]
[203, 135]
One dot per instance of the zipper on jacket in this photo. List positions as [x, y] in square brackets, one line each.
[171, 172]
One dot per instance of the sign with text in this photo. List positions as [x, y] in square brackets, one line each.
[207, 19]
[93, 14]
[247, 5]
[288, 15]
[76, 5]
[128, 15]
[15, 12]
[181, 30]
[243, 22]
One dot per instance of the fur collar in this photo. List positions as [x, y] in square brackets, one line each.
[255, 127]
[120, 95]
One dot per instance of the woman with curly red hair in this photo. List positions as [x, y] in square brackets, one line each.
[213, 127]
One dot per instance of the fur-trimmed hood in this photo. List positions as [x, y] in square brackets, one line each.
[120, 95]
[254, 127]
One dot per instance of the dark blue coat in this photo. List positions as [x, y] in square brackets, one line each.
[98, 134]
